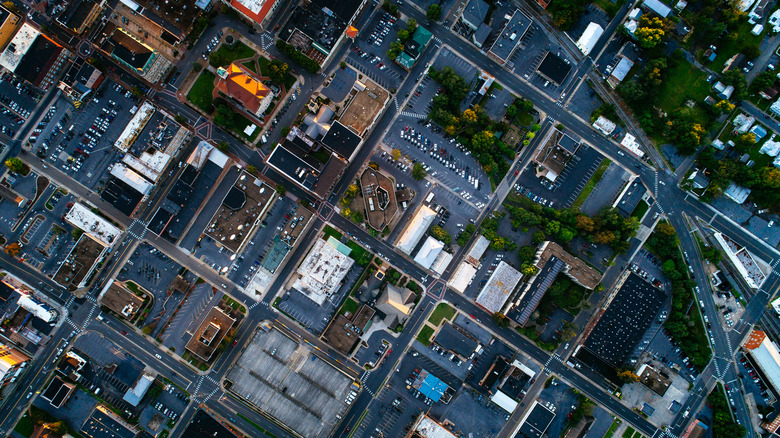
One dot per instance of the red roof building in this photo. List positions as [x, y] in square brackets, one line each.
[244, 87]
[255, 10]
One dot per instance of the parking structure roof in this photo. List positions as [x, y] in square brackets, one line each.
[554, 68]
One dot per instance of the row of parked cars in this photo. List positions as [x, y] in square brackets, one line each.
[382, 29]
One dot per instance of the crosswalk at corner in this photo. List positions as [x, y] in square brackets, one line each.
[413, 115]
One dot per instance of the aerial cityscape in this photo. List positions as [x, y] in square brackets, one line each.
[390, 218]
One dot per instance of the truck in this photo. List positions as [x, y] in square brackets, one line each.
[429, 198]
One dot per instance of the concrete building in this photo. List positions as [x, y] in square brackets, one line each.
[320, 273]
[245, 89]
[34, 57]
[589, 38]
[429, 251]
[396, 303]
[474, 13]
[415, 230]
[257, 11]
[764, 354]
[499, 287]
[11, 361]
[509, 39]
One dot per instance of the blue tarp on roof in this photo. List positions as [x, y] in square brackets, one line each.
[430, 386]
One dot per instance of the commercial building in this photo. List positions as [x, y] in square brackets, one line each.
[415, 229]
[364, 108]
[620, 71]
[37, 308]
[164, 37]
[320, 273]
[294, 160]
[342, 141]
[80, 14]
[536, 421]
[317, 27]
[241, 212]
[104, 423]
[429, 252]
[604, 125]
[34, 57]
[79, 81]
[553, 68]
[427, 427]
[135, 394]
[121, 300]
[256, 10]
[9, 23]
[620, 324]
[432, 388]
[79, 266]
[11, 361]
[378, 192]
[550, 260]
[132, 53]
[590, 37]
[244, 88]
[750, 269]
[499, 287]
[209, 335]
[455, 340]
[345, 330]
[509, 39]
[58, 392]
[289, 381]
[93, 225]
[474, 13]
[764, 354]
[462, 278]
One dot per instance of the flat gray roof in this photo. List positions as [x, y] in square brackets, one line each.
[289, 382]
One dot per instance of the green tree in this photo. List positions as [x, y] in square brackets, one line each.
[501, 320]
[17, 166]
[526, 253]
[281, 190]
[441, 234]
[13, 249]
[137, 92]
[650, 32]
[538, 237]
[251, 169]
[277, 71]
[418, 172]
[434, 12]
[196, 67]
[223, 146]
[223, 116]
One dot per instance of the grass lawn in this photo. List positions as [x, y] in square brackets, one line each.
[359, 254]
[350, 306]
[629, 432]
[597, 175]
[201, 92]
[24, 427]
[442, 311]
[683, 82]
[238, 51]
[289, 79]
[330, 231]
[640, 209]
[425, 335]
[728, 47]
[525, 118]
[250, 65]
[239, 123]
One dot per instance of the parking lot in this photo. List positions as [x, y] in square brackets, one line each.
[17, 101]
[187, 319]
[567, 186]
[369, 56]
[80, 142]
[564, 399]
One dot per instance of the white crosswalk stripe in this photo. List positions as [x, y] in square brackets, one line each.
[415, 115]
[73, 324]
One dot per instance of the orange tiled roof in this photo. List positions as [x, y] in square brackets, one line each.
[242, 85]
[754, 339]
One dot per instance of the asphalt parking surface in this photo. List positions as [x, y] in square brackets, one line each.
[567, 186]
[366, 50]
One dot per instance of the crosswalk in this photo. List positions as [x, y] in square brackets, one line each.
[140, 235]
[73, 324]
[365, 375]
[413, 115]
[438, 41]
[266, 40]
[395, 102]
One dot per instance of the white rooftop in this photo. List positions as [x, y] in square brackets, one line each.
[504, 401]
[322, 270]
[768, 359]
[18, 47]
[428, 252]
[415, 230]
[737, 193]
[604, 125]
[427, 428]
[98, 228]
[131, 178]
[498, 288]
[629, 142]
[477, 250]
[589, 38]
[771, 147]
[462, 277]
[253, 5]
[39, 310]
[134, 127]
[442, 261]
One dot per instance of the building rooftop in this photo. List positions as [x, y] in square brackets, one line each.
[9, 23]
[292, 158]
[463, 275]
[590, 37]
[321, 272]
[554, 153]
[122, 300]
[257, 10]
[430, 386]
[498, 288]
[203, 424]
[79, 263]
[365, 107]
[241, 211]
[291, 383]
[429, 251]
[344, 332]
[95, 226]
[509, 39]
[134, 126]
[631, 198]
[245, 86]
[475, 12]
[396, 304]
[58, 391]
[103, 423]
[427, 427]
[210, 333]
[18, 47]
[620, 327]
[342, 140]
[453, 339]
[135, 394]
[536, 421]
[130, 177]
[416, 228]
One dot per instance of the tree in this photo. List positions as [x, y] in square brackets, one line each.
[137, 92]
[16, 165]
[511, 112]
[223, 116]
[538, 237]
[13, 249]
[356, 217]
[501, 320]
[441, 234]
[411, 26]
[724, 106]
[223, 146]
[57, 428]
[251, 169]
[434, 12]
[196, 67]
[281, 190]
[650, 32]
[483, 141]
[418, 172]
[526, 253]
[528, 269]
[627, 376]
[395, 154]
[352, 191]
[180, 119]
[277, 70]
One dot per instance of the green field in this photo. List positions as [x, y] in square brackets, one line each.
[237, 51]
[728, 47]
[350, 306]
[442, 311]
[684, 82]
[425, 335]
[330, 231]
[250, 65]
[201, 92]
[640, 209]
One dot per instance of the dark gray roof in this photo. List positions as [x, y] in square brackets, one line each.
[631, 198]
[511, 34]
[536, 423]
[341, 140]
[455, 340]
[475, 12]
[554, 68]
[483, 31]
